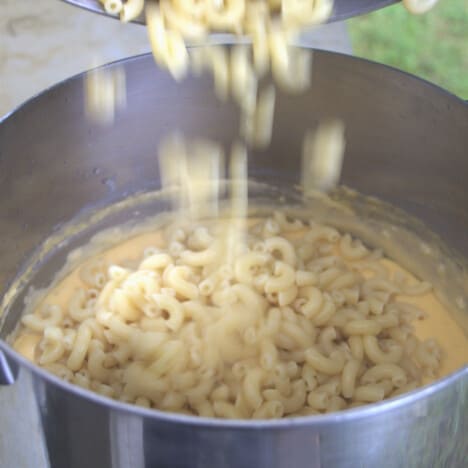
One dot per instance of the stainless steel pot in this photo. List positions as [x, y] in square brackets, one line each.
[407, 144]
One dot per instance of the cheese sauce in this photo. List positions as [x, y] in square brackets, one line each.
[438, 324]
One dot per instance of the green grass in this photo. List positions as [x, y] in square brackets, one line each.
[433, 46]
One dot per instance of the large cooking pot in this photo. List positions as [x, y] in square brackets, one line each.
[407, 144]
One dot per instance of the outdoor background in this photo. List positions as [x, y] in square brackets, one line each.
[433, 46]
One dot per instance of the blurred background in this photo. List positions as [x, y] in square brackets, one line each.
[433, 46]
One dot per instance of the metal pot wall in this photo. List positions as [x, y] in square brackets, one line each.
[407, 143]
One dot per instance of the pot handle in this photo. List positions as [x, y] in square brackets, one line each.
[8, 370]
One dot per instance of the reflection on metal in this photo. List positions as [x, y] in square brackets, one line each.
[126, 439]
[8, 370]
[22, 441]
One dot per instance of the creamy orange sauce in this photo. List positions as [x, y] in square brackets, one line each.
[128, 251]
[439, 324]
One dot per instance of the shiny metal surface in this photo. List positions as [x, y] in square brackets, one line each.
[8, 370]
[343, 8]
[406, 144]
[21, 421]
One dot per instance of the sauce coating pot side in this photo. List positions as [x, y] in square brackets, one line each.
[406, 144]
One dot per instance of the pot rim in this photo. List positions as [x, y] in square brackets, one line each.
[373, 6]
[408, 76]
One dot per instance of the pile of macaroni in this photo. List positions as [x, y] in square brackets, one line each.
[305, 320]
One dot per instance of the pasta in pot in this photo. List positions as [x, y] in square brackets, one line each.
[156, 336]
[281, 318]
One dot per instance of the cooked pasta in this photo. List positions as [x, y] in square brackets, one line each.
[270, 25]
[239, 15]
[155, 335]
[419, 7]
[105, 94]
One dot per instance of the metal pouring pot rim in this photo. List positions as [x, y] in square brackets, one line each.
[137, 57]
[322, 420]
[343, 8]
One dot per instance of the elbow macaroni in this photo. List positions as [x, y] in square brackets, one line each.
[196, 335]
